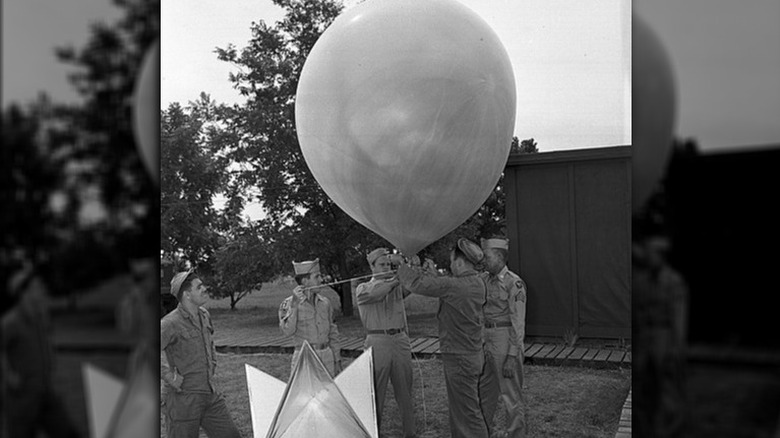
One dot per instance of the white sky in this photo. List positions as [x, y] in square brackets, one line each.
[571, 61]
[31, 30]
[726, 55]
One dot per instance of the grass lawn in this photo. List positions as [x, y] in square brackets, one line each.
[563, 401]
[728, 400]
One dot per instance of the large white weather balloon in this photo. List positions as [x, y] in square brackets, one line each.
[146, 111]
[653, 110]
[405, 113]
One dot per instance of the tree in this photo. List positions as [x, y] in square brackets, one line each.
[527, 146]
[27, 180]
[67, 158]
[244, 264]
[299, 212]
[105, 73]
[192, 173]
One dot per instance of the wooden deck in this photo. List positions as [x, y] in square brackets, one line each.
[624, 426]
[249, 341]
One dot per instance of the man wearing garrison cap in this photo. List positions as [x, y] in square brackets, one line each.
[381, 306]
[187, 365]
[461, 298]
[504, 336]
[31, 403]
[308, 315]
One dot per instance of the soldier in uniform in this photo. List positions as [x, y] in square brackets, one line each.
[308, 316]
[504, 335]
[461, 298]
[660, 328]
[188, 363]
[381, 306]
[27, 360]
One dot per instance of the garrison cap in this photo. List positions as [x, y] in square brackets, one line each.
[177, 281]
[495, 242]
[307, 267]
[375, 254]
[472, 250]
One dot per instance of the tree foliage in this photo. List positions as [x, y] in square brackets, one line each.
[27, 178]
[244, 263]
[105, 73]
[306, 223]
[193, 172]
[527, 146]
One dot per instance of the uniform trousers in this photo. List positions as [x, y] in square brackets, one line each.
[393, 362]
[508, 390]
[466, 387]
[28, 412]
[660, 389]
[187, 412]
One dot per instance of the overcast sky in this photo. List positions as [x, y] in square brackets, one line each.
[31, 30]
[725, 55]
[571, 61]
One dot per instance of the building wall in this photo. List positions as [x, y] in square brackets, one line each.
[569, 224]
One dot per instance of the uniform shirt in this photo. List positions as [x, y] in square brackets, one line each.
[506, 298]
[188, 346]
[381, 304]
[660, 300]
[26, 345]
[311, 322]
[461, 299]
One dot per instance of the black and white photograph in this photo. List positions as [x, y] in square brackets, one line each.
[389, 218]
[438, 189]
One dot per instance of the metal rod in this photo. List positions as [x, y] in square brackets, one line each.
[348, 279]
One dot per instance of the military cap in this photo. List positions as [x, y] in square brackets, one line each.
[375, 254]
[177, 281]
[472, 251]
[307, 267]
[495, 242]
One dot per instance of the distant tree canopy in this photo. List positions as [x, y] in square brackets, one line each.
[82, 203]
[193, 172]
[27, 178]
[527, 146]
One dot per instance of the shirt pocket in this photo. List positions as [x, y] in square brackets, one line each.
[190, 348]
[503, 294]
[307, 324]
[305, 313]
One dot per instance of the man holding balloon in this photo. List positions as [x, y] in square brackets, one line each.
[461, 299]
[381, 306]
